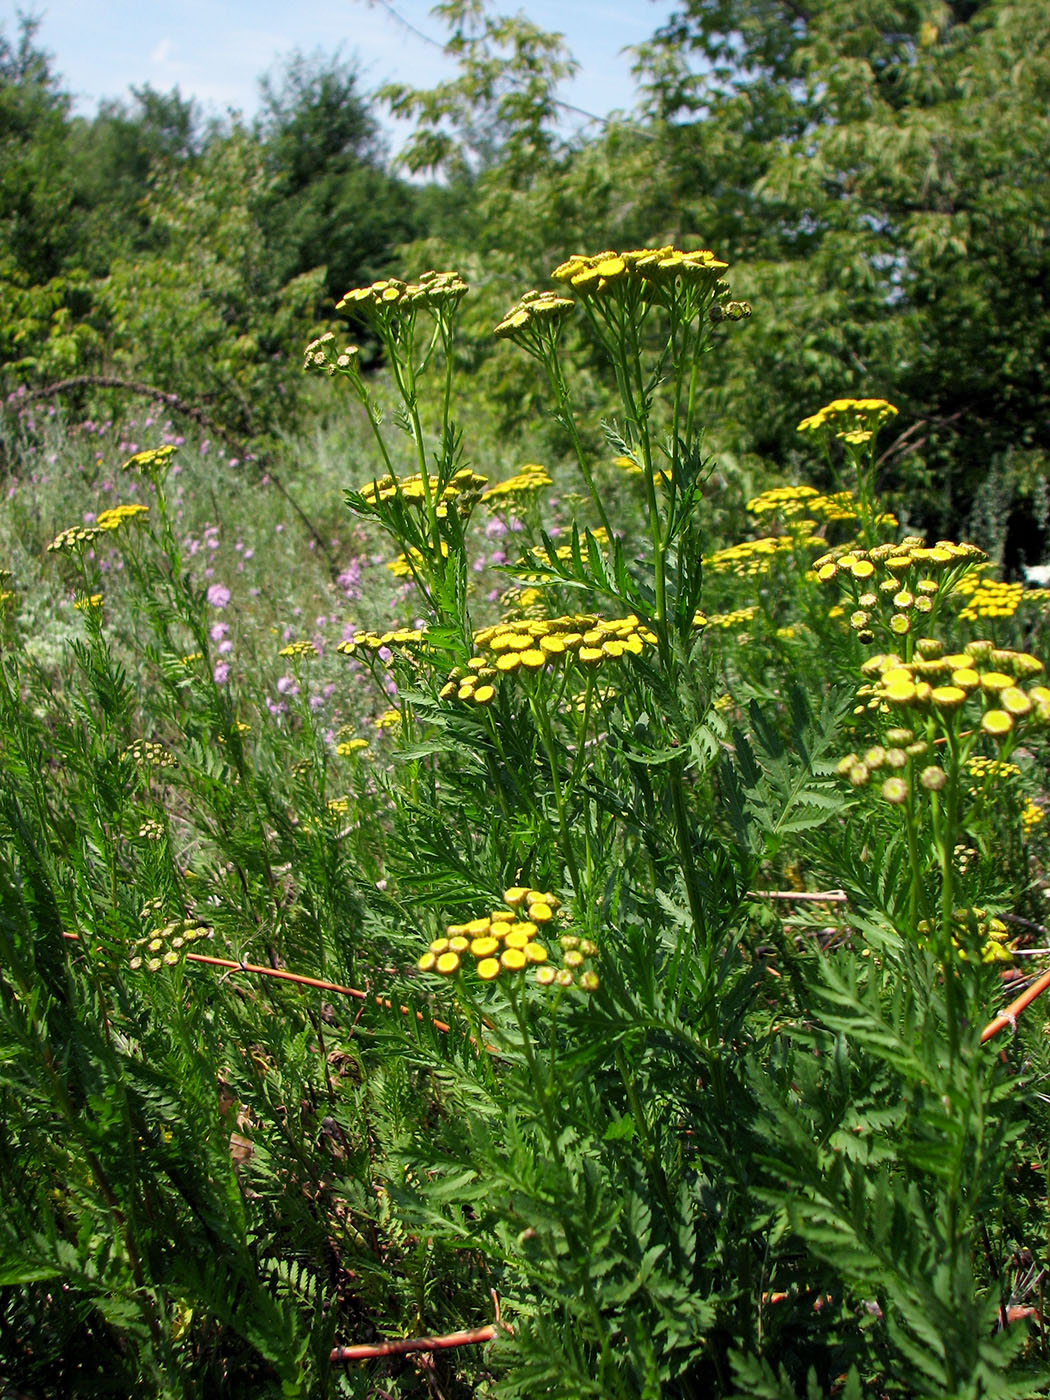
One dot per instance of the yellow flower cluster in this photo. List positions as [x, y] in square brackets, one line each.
[149, 755]
[654, 268]
[891, 584]
[991, 598]
[298, 649]
[78, 536]
[165, 946]
[982, 933]
[989, 770]
[117, 516]
[563, 553]
[151, 830]
[530, 479]
[88, 602]
[346, 747]
[534, 312]
[151, 461]
[943, 684]
[338, 806]
[1031, 816]
[404, 564]
[580, 701]
[752, 558]
[433, 290]
[534, 645]
[854, 421]
[662, 475]
[739, 617]
[791, 501]
[319, 355]
[518, 602]
[464, 488]
[508, 941]
[405, 639]
[389, 719]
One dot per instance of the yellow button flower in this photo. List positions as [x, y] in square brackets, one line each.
[997, 722]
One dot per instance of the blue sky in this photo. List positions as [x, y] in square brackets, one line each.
[215, 50]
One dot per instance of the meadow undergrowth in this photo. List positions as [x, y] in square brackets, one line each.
[652, 868]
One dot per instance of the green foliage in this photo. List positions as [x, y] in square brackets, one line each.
[602, 941]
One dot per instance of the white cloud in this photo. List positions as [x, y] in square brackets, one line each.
[162, 55]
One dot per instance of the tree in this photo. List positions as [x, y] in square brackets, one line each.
[876, 171]
[501, 109]
[36, 189]
[330, 202]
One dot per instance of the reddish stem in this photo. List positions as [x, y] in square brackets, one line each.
[1010, 1015]
[368, 1351]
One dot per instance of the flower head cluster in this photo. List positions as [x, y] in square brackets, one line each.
[345, 747]
[892, 585]
[990, 598]
[88, 602]
[891, 760]
[540, 644]
[754, 558]
[152, 461]
[726, 622]
[653, 269]
[465, 488]
[518, 602]
[407, 565]
[389, 719]
[117, 516]
[165, 946]
[148, 754]
[1031, 816]
[74, 539]
[509, 940]
[981, 678]
[989, 772]
[535, 314]
[527, 482]
[408, 640]
[977, 933]
[299, 649]
[662, 475]
[321, 354]
[563, 552]
[434, 290]
[853, 421]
